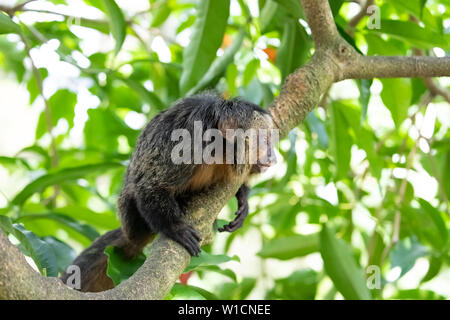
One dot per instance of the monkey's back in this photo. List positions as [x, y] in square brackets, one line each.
[151, 162]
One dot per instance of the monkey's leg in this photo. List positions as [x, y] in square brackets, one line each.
[162, 213]
[132, 223]
[242, 211]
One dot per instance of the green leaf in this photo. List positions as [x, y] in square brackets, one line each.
[293, 7]
[101, 220]
[13, 163]
[32, 85]
[99, 4]
[405, 253]
[219, 65]
[341, 141]
[418, 89]
[190, 292]
[119, 269]
[62, 106]
[250, 71]
[294, 48]
[396, 96]
[364, 137]
[225, 272]
[102, 26]
[286, 248]
[186, 23]
[41, 252]
[375, 249]
[438, 221]
[64, 253]
[413, 34]
[317, 126]
[84, 229]
[364, 96]
[7, 25]
[232, 73]
[103, 129]
[184, 292]
[237, 291]
[379, 46]
[207, 35]
[425, 225]
[341, 266]
[125, 97]
[150, 97]
[160, 14]
[207, 259]
[433, 269]
[11, 58]
[446, 173]
[253, 92]
[418, 9]
[117, 22]
[59, 176]
[268, 13]
[335, 6]
[300, 285]
[417, 294]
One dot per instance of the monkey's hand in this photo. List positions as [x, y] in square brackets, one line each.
[241, 213]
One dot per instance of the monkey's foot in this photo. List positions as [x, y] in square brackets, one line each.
[241, 214]
[188, 237]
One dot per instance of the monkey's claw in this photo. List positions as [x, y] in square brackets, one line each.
[241, 214]
[188, 237]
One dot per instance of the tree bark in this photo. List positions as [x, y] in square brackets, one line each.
[334, 60]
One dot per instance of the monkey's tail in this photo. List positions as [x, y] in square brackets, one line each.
[92, 262]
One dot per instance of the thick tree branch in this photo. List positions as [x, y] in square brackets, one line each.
[152, 281]
[397, 67]
[333, 60]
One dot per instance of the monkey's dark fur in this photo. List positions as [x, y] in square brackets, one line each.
[156, 191]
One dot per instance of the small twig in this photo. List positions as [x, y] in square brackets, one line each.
[400, 198]
[47, 110]
[434, 89]
[361, 14]
[11, 11]
[138, 36]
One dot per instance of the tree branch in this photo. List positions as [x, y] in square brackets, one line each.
[397, 67]
[321, 22]
[334, 60]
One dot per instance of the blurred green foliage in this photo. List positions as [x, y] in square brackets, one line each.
[248, 51]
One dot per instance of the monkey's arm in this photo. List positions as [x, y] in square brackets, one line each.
[162, 213]
[242, 211]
